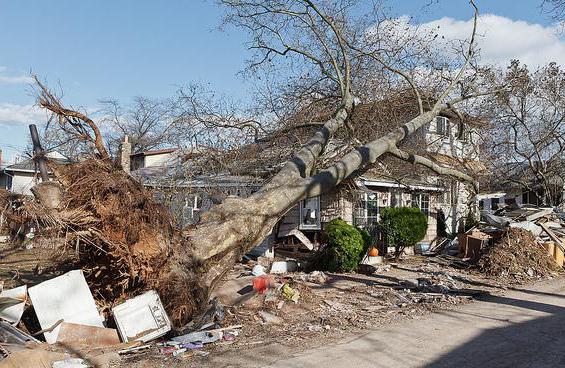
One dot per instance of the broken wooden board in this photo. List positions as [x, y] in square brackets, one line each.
[80, 337]
[553, 237]
[66, 297]
[12, 304]
[299, 235]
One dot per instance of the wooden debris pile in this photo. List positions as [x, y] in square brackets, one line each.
[517, 253]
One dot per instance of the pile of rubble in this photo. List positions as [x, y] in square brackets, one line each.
[75, 332]
[518, 254]
[293, 306]
[520, 243]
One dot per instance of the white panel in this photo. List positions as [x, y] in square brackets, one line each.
[142, 318]
[66, 297]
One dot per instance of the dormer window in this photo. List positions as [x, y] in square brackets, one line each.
[442, 125]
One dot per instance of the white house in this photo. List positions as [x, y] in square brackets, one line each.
[22, 176]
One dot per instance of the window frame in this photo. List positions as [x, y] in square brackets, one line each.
[302, 225]
[417, 200]
[446, 126]
[360, 206]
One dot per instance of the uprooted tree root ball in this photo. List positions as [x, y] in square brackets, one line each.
[517, 253]
[122, 239]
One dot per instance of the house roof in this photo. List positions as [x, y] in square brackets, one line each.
[155, 152]
[263, 158]
[29, 166]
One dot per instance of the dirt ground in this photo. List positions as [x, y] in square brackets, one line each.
[330, 307]
[343, 306]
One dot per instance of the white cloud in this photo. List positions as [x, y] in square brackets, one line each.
[13, 79]
[502, 39]
[13, 114]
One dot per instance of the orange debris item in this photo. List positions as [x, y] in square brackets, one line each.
[263, 282]
[373, 252]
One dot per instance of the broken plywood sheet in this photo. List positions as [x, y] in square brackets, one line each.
[142, 318]
[12, 304]
[66, 297]
[80, 337]
[299, 235]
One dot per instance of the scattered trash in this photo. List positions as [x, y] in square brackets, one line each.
[258, 270]
[71, 363]
[134, 349]
[290, 293]
[316, 277]
[142, 318]
[280, 267]
[66, 298]
[204, 337]
[262, 283]
[269, 318]
[12, 336]
[211, 317]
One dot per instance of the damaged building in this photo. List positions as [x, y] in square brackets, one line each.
[186, 182]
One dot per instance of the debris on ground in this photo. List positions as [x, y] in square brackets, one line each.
[65, 298]
[142, 318]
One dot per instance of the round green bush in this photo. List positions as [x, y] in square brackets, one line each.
[403, 227]
[345, 247]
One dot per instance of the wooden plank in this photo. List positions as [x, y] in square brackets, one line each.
[81, 336]
[536, 215]
[553, 237]
[303, 239]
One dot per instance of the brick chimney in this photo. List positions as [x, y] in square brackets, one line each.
[125, 152]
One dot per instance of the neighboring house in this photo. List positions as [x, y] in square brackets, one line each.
[515, 185]
[159, 157]
[22, 176]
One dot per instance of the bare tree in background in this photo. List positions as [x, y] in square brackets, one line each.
[148, 123]
[327, 53]
[527, 141]
[555, 8]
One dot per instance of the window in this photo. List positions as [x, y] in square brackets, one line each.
[395, 199]
[310, 214]
[421, 201]
[442, 125]
[366, 210]
[494, 202]
[464, 134]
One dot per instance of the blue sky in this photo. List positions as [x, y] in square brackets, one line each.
[120, 49]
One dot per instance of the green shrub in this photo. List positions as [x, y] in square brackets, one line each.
[345, 247]
[403, 227]
[367, 240]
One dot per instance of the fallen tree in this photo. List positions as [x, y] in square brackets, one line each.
[126, 240]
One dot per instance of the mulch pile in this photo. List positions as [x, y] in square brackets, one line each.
[517, 253]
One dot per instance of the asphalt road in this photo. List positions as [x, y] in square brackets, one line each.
[522, 329]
